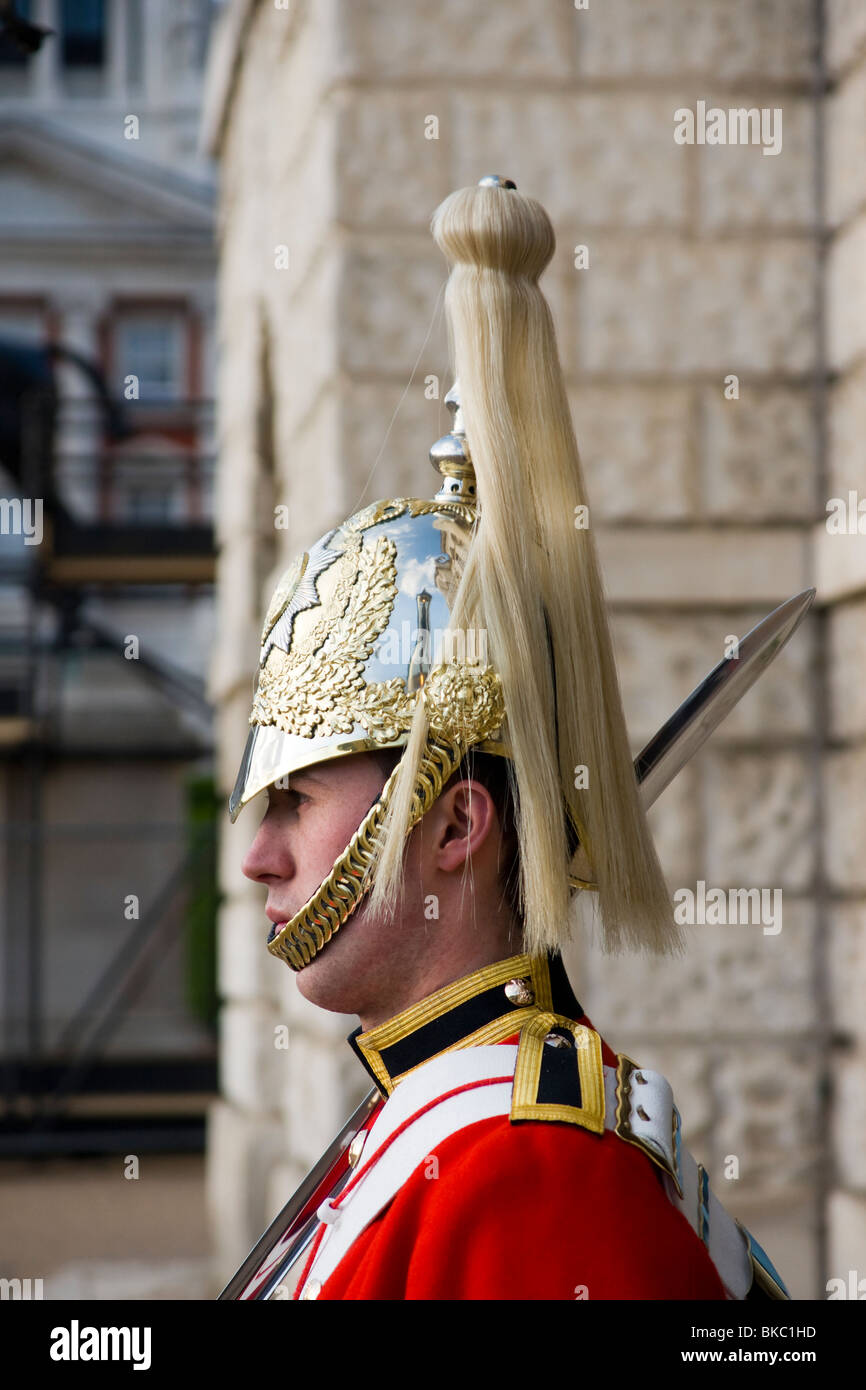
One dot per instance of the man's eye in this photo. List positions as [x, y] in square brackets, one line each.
[286, 798]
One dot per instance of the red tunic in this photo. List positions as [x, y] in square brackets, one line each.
[529, 1210]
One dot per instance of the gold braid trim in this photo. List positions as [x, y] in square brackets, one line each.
[312, 927]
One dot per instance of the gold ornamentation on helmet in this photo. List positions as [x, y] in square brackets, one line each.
[320, 687]
[463, 700]
[343, 672]
[338, 625]
[315, 685]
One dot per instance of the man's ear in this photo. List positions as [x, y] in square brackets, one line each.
[466, 820]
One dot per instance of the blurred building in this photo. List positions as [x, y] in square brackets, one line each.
[107, 265]
[711, 308]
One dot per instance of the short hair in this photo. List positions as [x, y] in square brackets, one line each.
[494, 773]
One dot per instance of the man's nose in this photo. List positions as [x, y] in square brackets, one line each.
[269, 856]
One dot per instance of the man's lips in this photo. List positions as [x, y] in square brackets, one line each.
[278, 919]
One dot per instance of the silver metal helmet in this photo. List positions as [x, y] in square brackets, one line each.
[357, 632]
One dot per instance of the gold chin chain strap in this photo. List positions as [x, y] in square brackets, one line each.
[464, 705]
[304, 936]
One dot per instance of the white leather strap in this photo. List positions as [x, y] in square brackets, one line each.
[653, 1117]
[380, 1178]
[382, 1171]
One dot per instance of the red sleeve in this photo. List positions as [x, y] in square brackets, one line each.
[533, 1210]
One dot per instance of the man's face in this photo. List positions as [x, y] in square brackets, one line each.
[307, 827]
[376, 965]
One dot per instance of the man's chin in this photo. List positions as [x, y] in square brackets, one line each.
[331, 980]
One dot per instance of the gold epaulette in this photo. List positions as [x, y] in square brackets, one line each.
[559, 1073]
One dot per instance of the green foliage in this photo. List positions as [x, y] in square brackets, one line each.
[203, 805]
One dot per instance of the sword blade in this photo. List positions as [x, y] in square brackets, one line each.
[655, 768]
[288, 1234]
[690, 726]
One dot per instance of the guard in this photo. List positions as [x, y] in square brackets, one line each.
[506, 1150]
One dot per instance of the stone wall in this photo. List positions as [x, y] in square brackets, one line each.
[841, 569]
[704, 262]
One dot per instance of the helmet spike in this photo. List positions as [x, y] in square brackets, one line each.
[450, 456]
[496, 181]
[495, 558]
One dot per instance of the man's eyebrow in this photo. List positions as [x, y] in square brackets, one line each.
[306, 776]
[306, 779]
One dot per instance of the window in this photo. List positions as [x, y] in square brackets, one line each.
[151, 346]
[12, 55]
[22, 324]
[148, 506]
[82, 26]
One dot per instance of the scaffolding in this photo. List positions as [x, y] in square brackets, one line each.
[114, 515]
